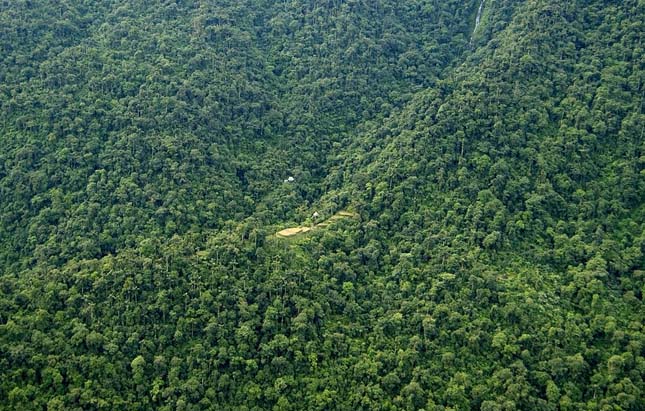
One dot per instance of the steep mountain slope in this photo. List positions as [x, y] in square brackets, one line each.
[496, 263]
[544, 124]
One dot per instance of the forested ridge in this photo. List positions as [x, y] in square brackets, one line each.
[495, 177]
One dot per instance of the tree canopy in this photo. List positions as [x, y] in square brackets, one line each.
[495, 258]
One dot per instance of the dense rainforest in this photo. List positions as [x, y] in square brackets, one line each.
[476, 169]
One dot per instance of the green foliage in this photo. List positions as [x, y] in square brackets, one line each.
[496, 261]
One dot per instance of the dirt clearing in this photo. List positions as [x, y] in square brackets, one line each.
[290, 232]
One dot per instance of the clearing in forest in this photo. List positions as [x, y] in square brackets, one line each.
[293, 231]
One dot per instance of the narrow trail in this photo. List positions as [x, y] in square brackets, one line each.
[293, 231]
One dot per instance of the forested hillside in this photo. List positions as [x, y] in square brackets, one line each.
[491, 155]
